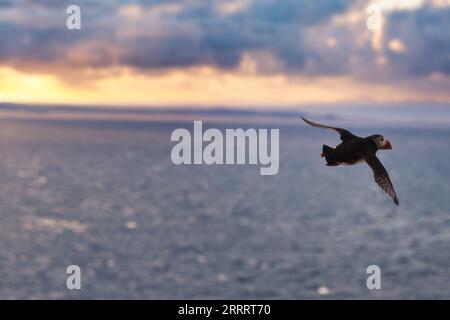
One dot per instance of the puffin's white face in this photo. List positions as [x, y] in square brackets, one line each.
[382, 143]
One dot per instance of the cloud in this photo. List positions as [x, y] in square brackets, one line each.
[425, 33]
[414, 43]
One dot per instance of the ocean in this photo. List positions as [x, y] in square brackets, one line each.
[104, 195]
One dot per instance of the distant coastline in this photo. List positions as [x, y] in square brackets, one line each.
[400, 115]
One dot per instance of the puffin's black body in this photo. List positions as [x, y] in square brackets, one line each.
[354, 149]
[349, 152]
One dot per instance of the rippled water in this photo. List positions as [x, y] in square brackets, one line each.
[105, 196]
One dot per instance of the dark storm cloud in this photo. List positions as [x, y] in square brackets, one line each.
[5, 3]
[214, 43]
[220, 40]
[425, 34]
[20, 45]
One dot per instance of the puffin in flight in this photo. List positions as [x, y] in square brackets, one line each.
[354, 149]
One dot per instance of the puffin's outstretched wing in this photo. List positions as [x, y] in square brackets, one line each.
[345, 134]
[381, 177]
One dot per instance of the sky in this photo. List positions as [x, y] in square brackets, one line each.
[245, 53]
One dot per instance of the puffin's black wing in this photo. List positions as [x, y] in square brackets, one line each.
[345, 134]
[381, 177]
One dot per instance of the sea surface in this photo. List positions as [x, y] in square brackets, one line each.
[104, 195]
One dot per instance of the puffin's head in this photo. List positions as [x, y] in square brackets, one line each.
[381, 142]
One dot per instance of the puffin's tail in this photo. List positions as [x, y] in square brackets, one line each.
[327, 152]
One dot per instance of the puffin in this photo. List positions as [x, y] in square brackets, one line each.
[354, 149]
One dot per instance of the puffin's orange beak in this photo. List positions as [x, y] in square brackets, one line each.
[388, 145]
